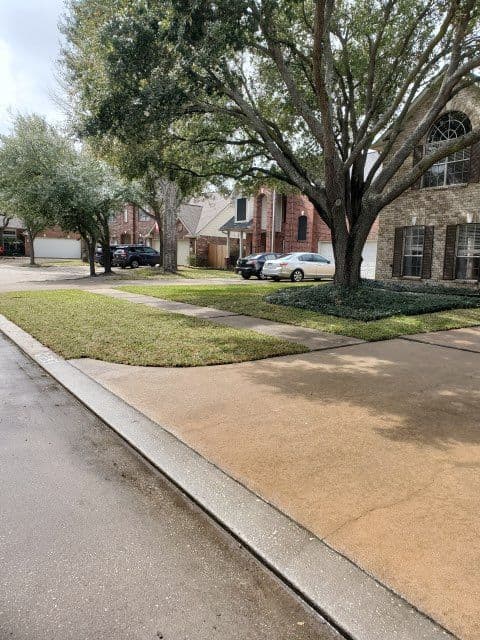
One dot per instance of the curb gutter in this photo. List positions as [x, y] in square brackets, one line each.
[354, 602]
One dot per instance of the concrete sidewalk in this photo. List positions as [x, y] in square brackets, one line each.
[374, 447]
[310, 338]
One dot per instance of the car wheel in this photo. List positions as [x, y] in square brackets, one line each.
[246, 276]
[297, 275]
[134, 264]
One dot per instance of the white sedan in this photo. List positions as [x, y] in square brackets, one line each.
[297, 266]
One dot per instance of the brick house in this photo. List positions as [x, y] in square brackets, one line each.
[198, 229]
[286, 223]
[13, 243]
[432, 231]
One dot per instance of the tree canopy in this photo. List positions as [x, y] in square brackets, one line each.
[291, 90]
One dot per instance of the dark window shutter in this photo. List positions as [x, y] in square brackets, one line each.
[302, 228]
[241, 209]
[417, 156]
[427, 253]
[474, 175]
[398, 252]
[450, 245]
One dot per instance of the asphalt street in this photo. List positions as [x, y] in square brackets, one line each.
[96, 545]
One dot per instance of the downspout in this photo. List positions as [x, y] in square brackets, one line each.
[274, 206]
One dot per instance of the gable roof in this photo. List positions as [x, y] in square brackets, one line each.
[199, 212]
[189, 215]
[212, 205]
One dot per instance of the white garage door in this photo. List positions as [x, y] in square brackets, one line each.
[369, 256]
[183, 252]
[57, 248]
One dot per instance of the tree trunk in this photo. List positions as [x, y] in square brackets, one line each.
[31, 238]
[105, 244]
[348, 247]
[159, 221]
[91, 256]
[348, 261]
[171, 203]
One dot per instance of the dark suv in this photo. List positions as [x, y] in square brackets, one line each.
[135, 255]
[252, 265]
[99, 253]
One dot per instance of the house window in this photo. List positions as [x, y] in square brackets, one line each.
[467, 261]
[414, 238]
[263, 216]
[125, 214]
[284, 209]
[241, 211]
[453, 169]
[143, 216]
[302, 228]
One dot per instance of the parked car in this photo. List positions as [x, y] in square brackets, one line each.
[298, 266]
[135, 255]
[99, 253]
[253, 265]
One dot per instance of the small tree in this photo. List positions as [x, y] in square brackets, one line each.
[154, 184]
[29, 158]
[77, 198]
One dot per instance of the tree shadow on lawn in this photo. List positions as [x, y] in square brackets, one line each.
[428, 396]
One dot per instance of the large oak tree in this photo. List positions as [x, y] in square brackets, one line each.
[291, 90]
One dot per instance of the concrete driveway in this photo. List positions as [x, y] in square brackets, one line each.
[16, 274]
[373, 447]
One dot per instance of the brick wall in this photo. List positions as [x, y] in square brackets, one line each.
[433, 206]
[287, 239]
[126, 227]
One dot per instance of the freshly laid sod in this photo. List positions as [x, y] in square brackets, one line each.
[250, 300]
[189, 273]
[79, 324]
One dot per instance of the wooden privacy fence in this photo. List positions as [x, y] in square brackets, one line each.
[216, 255]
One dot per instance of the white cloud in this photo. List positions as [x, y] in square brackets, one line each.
[29, 47]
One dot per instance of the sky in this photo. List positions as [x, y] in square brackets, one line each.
[29, 48]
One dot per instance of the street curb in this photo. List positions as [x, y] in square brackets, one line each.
[351, 600]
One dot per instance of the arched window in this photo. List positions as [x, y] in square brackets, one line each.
[453, 169]
[302, 228]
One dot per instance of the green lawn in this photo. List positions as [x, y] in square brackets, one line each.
[189, 273]
[250, 300]
[79, 324]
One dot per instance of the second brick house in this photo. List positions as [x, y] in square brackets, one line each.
[286, 223]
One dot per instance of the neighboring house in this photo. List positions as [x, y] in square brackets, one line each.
[290, 223]
[50, 243]
[432, 231]
[55, 243]
[13, 237]
[198, 229]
